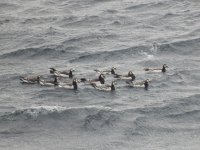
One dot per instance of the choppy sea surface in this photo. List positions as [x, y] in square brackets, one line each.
[90, 34]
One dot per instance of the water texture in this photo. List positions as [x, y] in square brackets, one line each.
[91, 34]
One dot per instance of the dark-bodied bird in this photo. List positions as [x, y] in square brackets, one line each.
[30, 79]
[49, 83]
[104, 87]
[65, 73]
[129, 77]
[142, 84]
[73, 86]
[100, 79]
[108, 71]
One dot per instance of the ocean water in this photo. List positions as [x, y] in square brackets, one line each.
[91, 34]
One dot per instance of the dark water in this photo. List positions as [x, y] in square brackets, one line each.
[85, 35]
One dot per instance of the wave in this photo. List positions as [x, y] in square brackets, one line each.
[4, 21]
[170, 79]
[89, 118]
[88, 38]
[184, 77]
[105, 118]
[186, 115]
[185, 47]
[101, 0]
[31, 113]
[38, 20]
[147, 6]
[150, 126]
[112, 55]
[181, 115]
[67, 20]
[53, 111]
[139, 121]
[11, 131]
[116, 23]
[145, 126]
[8, 6]
[85, 21]
[178, 106]
[112, 11]
[36, 53]
[138, 6]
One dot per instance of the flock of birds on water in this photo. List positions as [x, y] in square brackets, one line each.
[98, 83]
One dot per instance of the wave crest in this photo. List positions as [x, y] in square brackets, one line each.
[50, 111]
[34, 53]
[182, 47]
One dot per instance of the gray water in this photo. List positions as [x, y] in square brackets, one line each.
[90, 34]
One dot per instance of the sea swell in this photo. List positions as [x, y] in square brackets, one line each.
[112, 55]
[70, 51]
[35, 53]
[182, 115]
[145, 120]
[55, 112]
[182, 47]
[100, 34]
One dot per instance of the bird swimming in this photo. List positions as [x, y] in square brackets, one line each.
[130, 76]
[104, 87]
[65, 73]
[97, 83]
[108, 71]
[52, 70]
[163, 69]
[49, 83]
[73, 86]
[31, 79]
[144, 84]
[100, 79]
